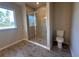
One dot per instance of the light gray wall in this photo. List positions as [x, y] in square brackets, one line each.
[62, 18]
[75, 31]
[49, 25]
[24, 13]
[11, 35]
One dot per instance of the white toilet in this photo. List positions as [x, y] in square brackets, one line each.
[60, 38]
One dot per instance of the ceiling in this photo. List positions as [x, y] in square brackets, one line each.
[35, 5]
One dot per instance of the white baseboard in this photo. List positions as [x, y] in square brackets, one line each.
[37, 44]
[10, 44]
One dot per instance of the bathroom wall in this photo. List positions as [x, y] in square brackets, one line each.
[63, 18]
[24, 13]
[10, 36]
[50, 24]
[75, 31]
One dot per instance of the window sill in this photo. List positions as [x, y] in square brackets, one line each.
[7, 28]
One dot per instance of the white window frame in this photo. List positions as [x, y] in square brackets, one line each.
[14, 13]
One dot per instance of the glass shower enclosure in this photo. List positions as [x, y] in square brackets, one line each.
[37, 28]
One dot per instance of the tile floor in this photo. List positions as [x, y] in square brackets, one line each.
[42, 41]
[26, 49]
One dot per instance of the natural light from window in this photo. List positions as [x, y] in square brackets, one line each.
[32, 20]
[6, 19]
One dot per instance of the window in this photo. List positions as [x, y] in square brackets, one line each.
[6, 19]
[32, 20]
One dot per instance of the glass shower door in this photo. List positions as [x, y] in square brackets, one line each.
[37, 28]
[32, 26]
